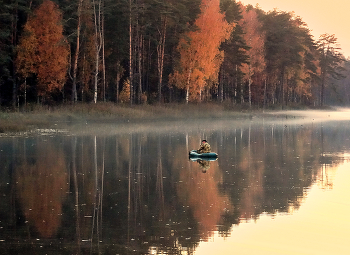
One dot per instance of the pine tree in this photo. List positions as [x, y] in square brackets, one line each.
[12, 16]
[330, 60]
[235, 49]
[287, 44]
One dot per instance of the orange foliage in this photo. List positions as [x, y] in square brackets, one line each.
[200, 55]
[48, 58]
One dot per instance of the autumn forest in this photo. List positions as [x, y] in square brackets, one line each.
[165, 51]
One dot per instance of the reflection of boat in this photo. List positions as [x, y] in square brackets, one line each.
[210, 155]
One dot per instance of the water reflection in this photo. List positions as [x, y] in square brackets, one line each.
[41, 187]
[200, 194]
[321, 226]
[140, 194]
[204, 164]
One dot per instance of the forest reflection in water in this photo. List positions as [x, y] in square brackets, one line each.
[139, 193]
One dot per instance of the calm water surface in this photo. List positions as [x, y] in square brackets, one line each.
[277, 188]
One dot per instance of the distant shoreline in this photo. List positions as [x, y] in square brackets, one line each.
[44, 117]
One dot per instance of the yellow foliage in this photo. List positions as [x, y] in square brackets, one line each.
[124, 96]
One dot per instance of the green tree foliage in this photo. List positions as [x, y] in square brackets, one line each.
[12, 16]
[288, 45]
[235, 53]
[330, 61]
[5, 39]
[337, 91]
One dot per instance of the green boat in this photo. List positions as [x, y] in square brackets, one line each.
[195, 154]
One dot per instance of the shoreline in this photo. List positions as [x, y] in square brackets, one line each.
[62, 117]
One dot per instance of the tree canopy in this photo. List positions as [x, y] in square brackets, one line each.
[164, 51]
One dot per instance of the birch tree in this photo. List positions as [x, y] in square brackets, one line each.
[48, 59]
[76, 53]
[199, 50]
[98, 17]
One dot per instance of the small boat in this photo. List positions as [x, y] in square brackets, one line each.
[194, 159]
[194, 154]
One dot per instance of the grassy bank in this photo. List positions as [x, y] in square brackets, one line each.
[36, 116]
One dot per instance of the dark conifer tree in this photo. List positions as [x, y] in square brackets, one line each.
[234, 48]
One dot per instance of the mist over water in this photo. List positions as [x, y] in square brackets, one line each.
[317, 115]
[131, 189]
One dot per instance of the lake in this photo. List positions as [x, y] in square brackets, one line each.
[279, 186]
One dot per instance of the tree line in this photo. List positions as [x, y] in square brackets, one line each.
[149, 51]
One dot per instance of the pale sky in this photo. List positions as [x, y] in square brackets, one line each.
[321, 16]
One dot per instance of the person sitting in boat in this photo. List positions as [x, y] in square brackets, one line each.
[204, 148]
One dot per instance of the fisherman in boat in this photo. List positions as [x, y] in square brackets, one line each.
[204, 148]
